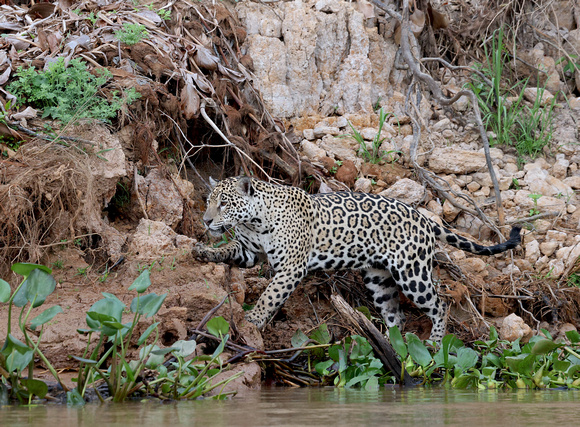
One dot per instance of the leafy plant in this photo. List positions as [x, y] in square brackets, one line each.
[178, 379]
[535, 197]
[68, 92]
[16, 356]
[375, 155]
[131, 34]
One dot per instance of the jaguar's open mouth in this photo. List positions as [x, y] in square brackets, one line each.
[217, 231]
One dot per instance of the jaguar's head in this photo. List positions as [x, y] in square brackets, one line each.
[229, 204]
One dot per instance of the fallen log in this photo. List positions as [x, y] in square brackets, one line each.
[365, 328]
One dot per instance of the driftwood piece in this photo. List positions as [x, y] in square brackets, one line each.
[365, 328]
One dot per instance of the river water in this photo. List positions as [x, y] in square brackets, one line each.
[281, 407]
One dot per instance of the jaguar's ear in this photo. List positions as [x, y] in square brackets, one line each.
[212, 182]
[245, 187]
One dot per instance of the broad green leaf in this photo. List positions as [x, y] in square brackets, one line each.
[183, 348]
[74, 398]
[35, 387]
[417, 350]
[113, 325]
[544, 346]
[45, 317]
[321, 334]
[4, 291]
[12, 343]
[573, 336]
[25, 268]
[218, 326]
[160, 351]
[108, 295]
[397, 342]
[154, 360]
[142, 282]
[323, 368]
[105, 310]
[148, 305]
[220, 348]
[298, 339]
[128, 370]
[360, 348]
[521, 364]
[146, 334]
[466, 358]
[372, 384]
[37, 286]
[493, 335]
[19, 361]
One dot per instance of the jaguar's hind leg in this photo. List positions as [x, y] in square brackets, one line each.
[385, 295]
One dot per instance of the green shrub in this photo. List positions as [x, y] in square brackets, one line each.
[131, 34]
[66, 93]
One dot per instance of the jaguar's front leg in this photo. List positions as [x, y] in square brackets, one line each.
[284, 283]
[230, 251]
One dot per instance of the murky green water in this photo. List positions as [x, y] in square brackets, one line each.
[323, 407]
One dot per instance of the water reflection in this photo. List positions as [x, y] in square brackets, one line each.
[283, 407]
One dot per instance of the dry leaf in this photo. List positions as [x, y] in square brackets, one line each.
[202, 83]
[367, 9]
[205, 59]
[437, 19]
[189, 99]
[28, 113]
[5, 76]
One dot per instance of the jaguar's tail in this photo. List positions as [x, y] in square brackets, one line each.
[460, 242]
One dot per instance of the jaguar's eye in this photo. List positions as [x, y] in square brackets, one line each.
[223, 203]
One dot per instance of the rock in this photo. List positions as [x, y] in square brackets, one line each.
[430, 215]
[340, 148]
[556, 236]
[321, 131]
[450, 212]
[451, 160]
[541, 182]
[473, 265]
[162, 200]
[548, 248]
[441, 125]
[532, 250]
[364, 185]
[369, 133]
[405, 190]
[513, 327]
[435, 207]
[511, 269]
[573, 182]
[347, 173]
[544, 204]
[531, 93]
[473, 226]
[308, 134]
[565, 327]
[473, 186]
[555, 268]
[340, 122]
[560, 168]
[155, 239]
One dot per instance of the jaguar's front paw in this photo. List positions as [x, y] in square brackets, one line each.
[256, 319]
[200, 252]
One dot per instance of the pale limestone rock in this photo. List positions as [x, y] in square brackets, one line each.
[511, 269]
[532, 250]
[514, 327]
[450, 212]
[162, 200]
[542, 225]
[530, 93]
[511, 168]
[340, 148]
[524, 264]
[441, 125]
[457, 255]
[435, 207]
[545, 203]
[320, 131]
[473, 265]
[473, 186]
[405, 190]
[573, 182]
[555, 268]
[548, 248]
[340, 122]
[155, 239]
[473, 226]
[452, 160]
[261, 19]
[484, 178]
[448, 134]
[369, 133]
[571, 209]
[565, 327]
[560, 168]
[542, 263]
[364, 185]
[556, 236]
[308, 134]
[311, 150]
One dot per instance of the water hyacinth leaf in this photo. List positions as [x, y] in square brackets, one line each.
[113, 325]
[183, 348]
[148, 305]
[25, 268]
[159, 351]
[18, 361]
[417, 350]
[154, 360]
[397, 342]
[218, 326]
[321, 334]
[4, 291]
[466, 358]
[372, 384]
[35, 387]
[108, 295]
[37, 286]
[544, 346]
[220, 348]
[146, 334]
[323, 368]
[12, 343]
[573, 336]
[45, 317]
[298, 339]
[74, 398]
[105, 310]
[521, 364]
[142, 282]
[361, 348]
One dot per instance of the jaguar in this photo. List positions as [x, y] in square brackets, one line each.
[390, 242]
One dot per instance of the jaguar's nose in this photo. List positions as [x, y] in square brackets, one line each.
[207, 222]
